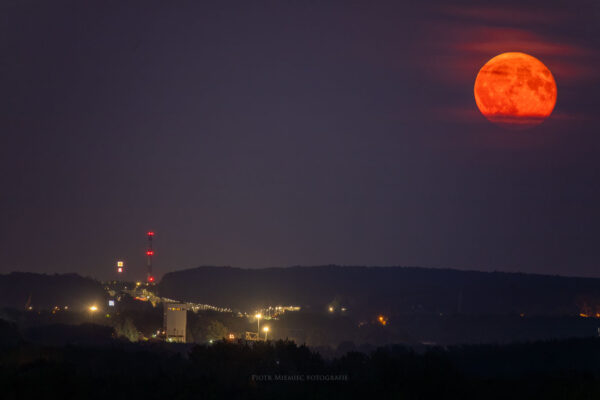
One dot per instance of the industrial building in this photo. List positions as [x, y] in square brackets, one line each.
[175, 322]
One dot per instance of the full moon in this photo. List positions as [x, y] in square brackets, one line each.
[515, 89]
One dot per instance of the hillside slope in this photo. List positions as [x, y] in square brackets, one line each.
[42, 291]
[395, 290]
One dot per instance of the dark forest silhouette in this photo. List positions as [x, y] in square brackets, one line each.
[282, 369]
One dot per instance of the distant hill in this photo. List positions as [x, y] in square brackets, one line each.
[41, 291]
[391, 290]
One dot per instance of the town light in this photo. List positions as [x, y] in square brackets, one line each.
[266, 330]
[93, 308]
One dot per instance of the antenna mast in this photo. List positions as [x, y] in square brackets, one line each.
[150, 254]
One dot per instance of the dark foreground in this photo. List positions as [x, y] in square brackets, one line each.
[568, 369]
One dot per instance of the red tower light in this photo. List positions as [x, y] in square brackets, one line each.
[150, 254]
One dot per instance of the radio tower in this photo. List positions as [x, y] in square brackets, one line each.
[150, 254]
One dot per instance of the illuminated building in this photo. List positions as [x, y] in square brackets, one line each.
[175, 322]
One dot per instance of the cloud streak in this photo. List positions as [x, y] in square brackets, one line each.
[460, 40]
[458, 37]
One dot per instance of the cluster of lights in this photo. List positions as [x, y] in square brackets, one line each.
[55, 309]
[584, 315]
[382, 320]
[271, 312]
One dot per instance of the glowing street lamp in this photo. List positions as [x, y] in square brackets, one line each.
[92, 310]
[258, 317]
[266, 330]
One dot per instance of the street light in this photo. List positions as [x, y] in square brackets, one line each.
[266, 330]
[258, 317]
[92, 309]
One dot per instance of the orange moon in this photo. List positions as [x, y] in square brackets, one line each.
[515, 90]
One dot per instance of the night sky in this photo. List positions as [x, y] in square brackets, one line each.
[258, 134]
